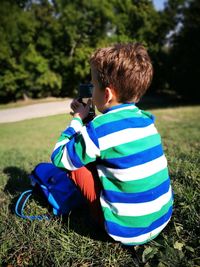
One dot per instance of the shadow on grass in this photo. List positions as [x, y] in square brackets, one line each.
[78, 221]
[164, 100]
[17, 183]
[81, 223]
[18, 180]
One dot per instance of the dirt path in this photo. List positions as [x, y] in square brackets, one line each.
[35, 111]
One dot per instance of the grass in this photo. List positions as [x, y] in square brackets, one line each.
[72, 241]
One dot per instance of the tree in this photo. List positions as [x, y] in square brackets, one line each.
[185, 56]
[11, 46]
[83, 25]
[45, 45]
[25, 51]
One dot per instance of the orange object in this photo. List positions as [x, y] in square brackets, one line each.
[87, 180]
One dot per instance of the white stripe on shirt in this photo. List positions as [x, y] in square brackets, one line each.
[125, 136]
[140, 238]
[66, 161]
[76, 125]
[137, 209]
[61, 143]
[131, 107]
[134, 173]
[91, 149]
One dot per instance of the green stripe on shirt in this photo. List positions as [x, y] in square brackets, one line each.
[80, 149]
[136, 221]
[121, 114]
[135, 186]
[131, 148]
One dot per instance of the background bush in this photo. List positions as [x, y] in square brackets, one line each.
[45, 45]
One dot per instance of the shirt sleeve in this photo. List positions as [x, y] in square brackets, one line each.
[77, 146]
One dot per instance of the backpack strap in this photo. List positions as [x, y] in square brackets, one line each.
[20, 205]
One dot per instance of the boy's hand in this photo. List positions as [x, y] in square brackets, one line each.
[80, 111]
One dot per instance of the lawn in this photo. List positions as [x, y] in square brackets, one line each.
[72, 241]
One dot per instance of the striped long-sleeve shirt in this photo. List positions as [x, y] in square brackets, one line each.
[137, 197]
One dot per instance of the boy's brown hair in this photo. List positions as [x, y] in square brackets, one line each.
[126, 68]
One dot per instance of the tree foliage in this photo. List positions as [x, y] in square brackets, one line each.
[45, 45]
[185, 55]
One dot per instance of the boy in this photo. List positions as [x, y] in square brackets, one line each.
[117, 159]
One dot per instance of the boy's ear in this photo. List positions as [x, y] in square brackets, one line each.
[110, 95]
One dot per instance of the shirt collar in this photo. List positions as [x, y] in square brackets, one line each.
[119, 106]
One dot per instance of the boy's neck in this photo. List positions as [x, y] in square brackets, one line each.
[116, 104]
[111, 104]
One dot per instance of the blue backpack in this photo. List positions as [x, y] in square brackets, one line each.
[56, 187]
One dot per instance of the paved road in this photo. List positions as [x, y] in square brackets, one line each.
[35, 111]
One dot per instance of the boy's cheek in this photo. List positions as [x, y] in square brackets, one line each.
[94, 99]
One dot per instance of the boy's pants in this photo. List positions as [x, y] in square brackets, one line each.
[87, 180]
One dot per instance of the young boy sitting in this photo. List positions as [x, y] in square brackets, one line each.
[117, 159]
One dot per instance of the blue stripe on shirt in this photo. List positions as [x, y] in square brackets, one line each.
[135, 159]
[69, 131]
[70, 146]
[92, 134]
[55, 152]
[149, 195]
[125, 123]
[123, 231]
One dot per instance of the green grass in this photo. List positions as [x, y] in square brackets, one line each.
[72, 241]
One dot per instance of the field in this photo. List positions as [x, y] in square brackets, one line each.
[73, 241]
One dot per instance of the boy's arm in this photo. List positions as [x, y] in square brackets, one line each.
[76, 146]
[74, 127]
